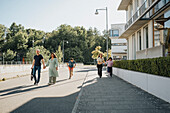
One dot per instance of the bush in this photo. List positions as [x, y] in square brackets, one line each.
[158, 66]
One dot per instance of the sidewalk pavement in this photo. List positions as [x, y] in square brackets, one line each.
[113, 95]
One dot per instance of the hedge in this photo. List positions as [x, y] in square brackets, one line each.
[158, 66]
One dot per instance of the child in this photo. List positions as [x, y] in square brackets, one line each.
[71, 64]
[109, 65]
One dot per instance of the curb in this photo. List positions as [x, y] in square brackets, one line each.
[78, 98]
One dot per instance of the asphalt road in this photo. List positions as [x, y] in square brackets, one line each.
[19, 95]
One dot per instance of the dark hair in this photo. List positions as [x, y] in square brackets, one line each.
[110, 58]
[99, 55]
[71, 59]
[53, 54]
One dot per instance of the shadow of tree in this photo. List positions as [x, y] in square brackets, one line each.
[48, 105]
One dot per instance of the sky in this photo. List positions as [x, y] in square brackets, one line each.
[47, 15]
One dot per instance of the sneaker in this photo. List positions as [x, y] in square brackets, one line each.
[49, 83]
[35, 83]
[31, 77]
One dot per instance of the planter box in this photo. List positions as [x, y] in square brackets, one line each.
[153, 84]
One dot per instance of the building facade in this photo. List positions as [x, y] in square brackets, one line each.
[147, 29]
[119, 46]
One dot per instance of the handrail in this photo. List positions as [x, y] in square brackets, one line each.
[137, 14]
[143, 8]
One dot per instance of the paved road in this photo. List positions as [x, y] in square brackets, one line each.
[113, 95]
[20, 96]
[105, 95]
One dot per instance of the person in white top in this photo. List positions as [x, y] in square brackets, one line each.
[100, 62]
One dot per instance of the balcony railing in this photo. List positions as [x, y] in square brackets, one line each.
[143, 8]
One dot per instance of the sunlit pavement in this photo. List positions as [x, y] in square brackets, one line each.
[21, 96]
[113, 95]
[84, 93]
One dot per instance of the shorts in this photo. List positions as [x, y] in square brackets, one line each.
[70, 68]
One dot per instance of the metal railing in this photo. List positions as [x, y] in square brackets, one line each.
[14, 62]
[143, 8]
[138, 13]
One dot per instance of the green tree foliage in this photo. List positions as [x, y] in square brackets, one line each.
[32, 52]
[81, 41]
[59, 54]
[9, 55]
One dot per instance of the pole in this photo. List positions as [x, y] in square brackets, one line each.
[63, 51]
[107, 31]
[3, 58]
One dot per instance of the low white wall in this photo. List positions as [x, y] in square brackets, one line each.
[9, 71]
[150, 52]
[156, 85]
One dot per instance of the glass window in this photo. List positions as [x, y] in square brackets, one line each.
[115, 33]
[139, 40]
[125, 57]
[146, 37]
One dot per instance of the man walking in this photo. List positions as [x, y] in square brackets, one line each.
[36, 65]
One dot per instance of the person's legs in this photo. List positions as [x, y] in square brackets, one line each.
[50, 79]
[98, 70]
[54, 80]
[39, 71]
[71, 72]
[110, 69]
[101, 71]
[34, 74]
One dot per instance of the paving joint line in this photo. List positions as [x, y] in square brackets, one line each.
[80, 94]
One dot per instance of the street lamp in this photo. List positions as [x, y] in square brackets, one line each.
[96, 13]
[63, 49]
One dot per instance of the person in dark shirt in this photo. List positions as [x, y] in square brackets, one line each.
[36, 65]
[71, 64]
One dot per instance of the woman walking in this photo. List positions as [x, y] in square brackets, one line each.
[100, 62]
[53, 69]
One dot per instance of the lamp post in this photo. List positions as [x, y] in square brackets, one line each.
[5, 33]
[33, 46]
[3, 58]
[96, 13]
[63, 49]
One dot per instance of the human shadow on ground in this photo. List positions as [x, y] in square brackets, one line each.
[48, 105]
[25, 90]
[15, 88]
[59, 83]
[87, 70]
[61, 80]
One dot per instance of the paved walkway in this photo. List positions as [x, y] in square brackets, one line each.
[19, 95]
[113, 95]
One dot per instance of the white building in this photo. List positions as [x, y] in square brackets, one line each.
[119, 46]
[147, 27]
